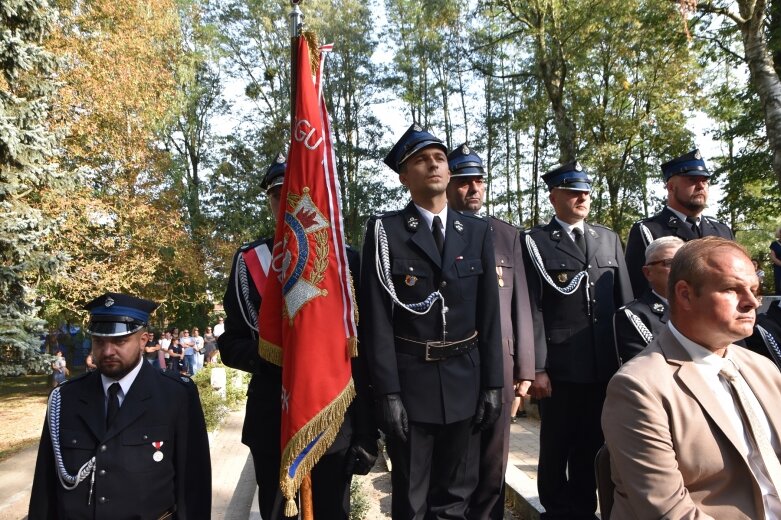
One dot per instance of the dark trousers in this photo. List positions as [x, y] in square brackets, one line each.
[430, 477]
[488, 451]
[570, 435]
[330, 486]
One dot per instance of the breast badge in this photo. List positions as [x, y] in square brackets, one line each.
[410, 280]
[562, 278]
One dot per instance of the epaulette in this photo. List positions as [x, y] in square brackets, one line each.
[472, 216]
[386, 214]
[76, 378]
[536, 229]
[250, 245]
[182, 380]
[519, 228]
[600, 226]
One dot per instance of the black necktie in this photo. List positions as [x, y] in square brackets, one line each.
[580, 240]
[695, 228]
[436, 230]
[113, 404]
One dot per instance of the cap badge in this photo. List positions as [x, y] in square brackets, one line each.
[280, 158]
[465, 150]
[562, 277]
[578, 167]
[410, 280]
[459, 226]
[417, 127]
[413, 223]
[109, 301]
[658, 307]
[697, 154]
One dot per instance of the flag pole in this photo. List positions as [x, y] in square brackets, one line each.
[296, 18]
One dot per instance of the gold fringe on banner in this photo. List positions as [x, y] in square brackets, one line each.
[314, 49]
[328, 421]
[270, 352]
[353, 345]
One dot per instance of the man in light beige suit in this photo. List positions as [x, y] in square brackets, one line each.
[679, 442]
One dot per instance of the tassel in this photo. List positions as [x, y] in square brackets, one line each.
[290, 507]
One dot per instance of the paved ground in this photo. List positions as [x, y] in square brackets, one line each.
[233, 478]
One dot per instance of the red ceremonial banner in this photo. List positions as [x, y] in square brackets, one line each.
[307, 311]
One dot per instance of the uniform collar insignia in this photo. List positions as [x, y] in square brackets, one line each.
[109, 302]
[459, 226]
[592, 233]
[556, 234]
[413, 223]
[657, 308]
[673, 221]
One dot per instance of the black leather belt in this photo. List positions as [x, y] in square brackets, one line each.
[435, 350]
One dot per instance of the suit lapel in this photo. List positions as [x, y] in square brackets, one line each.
[680, 229]
[133, 404]
[92, 406]
[564, 243]
[692, 379]
[454, 239]
[421, 234]
[591, 236]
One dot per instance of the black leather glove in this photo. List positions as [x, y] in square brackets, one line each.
[489, 406]
[394, 416]
[361, 456]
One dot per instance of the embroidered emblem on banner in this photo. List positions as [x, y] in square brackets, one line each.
[305, 237]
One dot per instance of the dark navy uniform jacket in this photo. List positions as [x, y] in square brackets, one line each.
[574, 333]
[632, 337]
[663, 224]
[129, 482]
[443, 391]
[767, 345]
[238, 347]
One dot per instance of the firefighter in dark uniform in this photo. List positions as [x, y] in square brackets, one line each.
[112, 445]
[429, 310]
[354, 450]
[638, 322]
[686, 178]
[489, 449]
[766, 339]
[577, 280]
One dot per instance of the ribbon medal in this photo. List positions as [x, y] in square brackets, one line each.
[499, 273]
[157, 456]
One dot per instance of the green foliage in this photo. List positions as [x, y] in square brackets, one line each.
[215, 407]
[359, 504]
[27, 168]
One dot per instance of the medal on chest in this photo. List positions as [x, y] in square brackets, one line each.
[157, 456]
[499, 273]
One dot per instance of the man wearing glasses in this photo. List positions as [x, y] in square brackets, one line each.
[686, 179]
[637, 323]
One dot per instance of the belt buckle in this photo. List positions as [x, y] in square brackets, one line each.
[433, 344]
